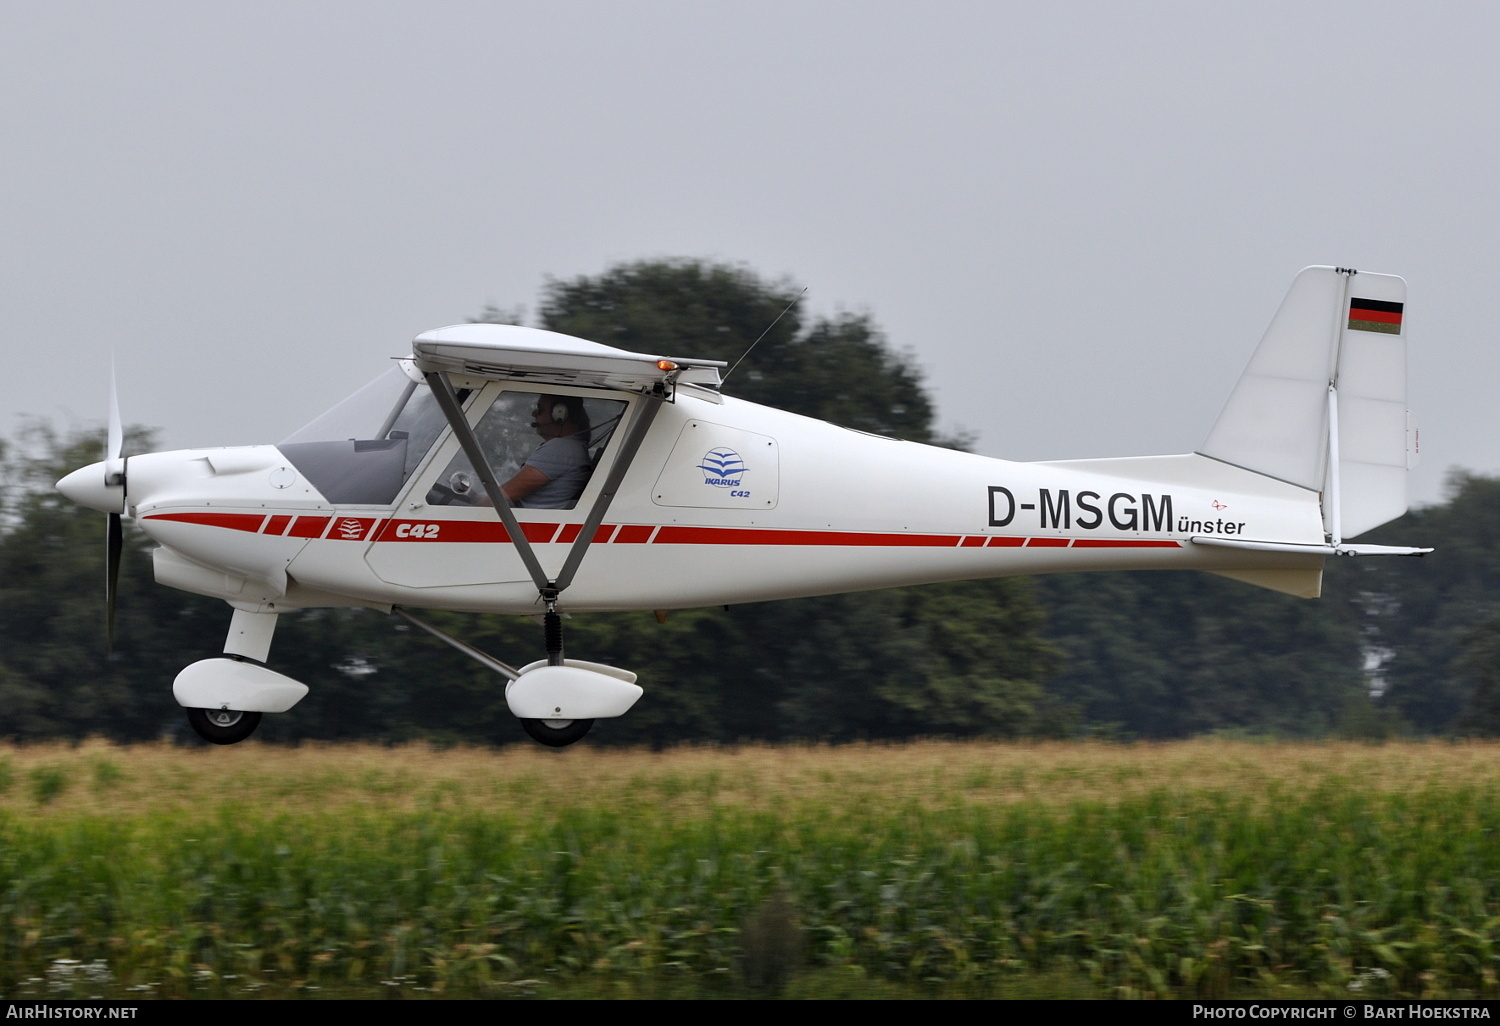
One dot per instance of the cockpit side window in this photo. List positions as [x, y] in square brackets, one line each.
[542, 447]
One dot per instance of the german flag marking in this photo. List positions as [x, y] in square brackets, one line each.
[1375, 315]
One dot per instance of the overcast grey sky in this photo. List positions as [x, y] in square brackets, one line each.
[1078, 216]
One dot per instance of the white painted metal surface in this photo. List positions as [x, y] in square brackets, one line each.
[517, 353]
[570, 692]
[716, 466]
[1276, 421]
[230, 684]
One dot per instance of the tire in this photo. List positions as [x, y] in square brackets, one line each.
[232, 726]
[556, 736]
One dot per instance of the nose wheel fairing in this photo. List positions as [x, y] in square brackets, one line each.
[233, 684]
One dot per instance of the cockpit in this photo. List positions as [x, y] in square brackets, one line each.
[364, 450]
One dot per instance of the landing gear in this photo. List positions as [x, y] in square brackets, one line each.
[555, 733]
[555, 687]
[225, 726]
[541, 688]
[224, 697]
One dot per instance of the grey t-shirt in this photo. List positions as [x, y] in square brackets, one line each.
[565, 461]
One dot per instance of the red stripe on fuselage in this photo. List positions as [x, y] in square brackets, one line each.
[672, 535]
[1124, 543]
[493, 532]
[233, 521]
[462, 531]
[309, 527]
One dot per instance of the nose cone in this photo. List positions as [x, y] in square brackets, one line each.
[87, 486]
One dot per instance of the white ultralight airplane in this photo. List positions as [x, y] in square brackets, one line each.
[427, 488]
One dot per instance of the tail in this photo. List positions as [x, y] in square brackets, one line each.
[1322, 404]
[1322, 408]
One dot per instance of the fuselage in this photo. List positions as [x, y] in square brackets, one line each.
[725, 502]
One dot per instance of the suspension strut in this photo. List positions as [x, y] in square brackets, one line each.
[552, 631]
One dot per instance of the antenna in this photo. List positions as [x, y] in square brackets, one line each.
[763, 334]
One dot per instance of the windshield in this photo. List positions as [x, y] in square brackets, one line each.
[361, 415]
[363, 449]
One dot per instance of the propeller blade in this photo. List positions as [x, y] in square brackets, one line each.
[114, 468]
[114, 542]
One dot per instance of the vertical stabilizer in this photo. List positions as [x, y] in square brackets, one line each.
[1335, 352]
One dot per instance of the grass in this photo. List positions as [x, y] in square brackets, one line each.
[1207, 868]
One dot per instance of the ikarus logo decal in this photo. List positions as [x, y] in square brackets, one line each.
[722, 468]
[350, 529]
[715, 466]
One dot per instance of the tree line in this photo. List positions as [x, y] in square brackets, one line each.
[1395, 645]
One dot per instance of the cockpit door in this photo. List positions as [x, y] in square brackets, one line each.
[444, 531]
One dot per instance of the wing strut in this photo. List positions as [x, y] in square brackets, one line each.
[548, 589]
[504, 669]
[442, 390]
[645, 414]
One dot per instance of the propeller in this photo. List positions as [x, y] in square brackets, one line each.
[101, 486]
[114, 539]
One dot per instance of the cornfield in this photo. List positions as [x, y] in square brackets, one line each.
[1206, 868]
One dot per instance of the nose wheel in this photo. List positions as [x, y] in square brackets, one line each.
[224, 726]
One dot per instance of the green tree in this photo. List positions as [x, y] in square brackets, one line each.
[1478, 666]
[1430, 617]
[961, 659]
[58, 679]
[841, 370]
[1171, 654]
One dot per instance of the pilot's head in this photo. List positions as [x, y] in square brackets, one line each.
[557, 415]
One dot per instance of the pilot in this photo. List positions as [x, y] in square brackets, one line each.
[555, 473]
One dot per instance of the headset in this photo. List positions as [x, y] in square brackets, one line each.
[558, 412]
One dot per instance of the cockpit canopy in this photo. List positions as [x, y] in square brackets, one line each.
[365, 449]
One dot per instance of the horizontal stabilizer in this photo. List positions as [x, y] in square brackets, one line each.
[1381, 550]
[1310, 550]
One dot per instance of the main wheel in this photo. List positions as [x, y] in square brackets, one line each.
[223, 726]
[556, 733]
